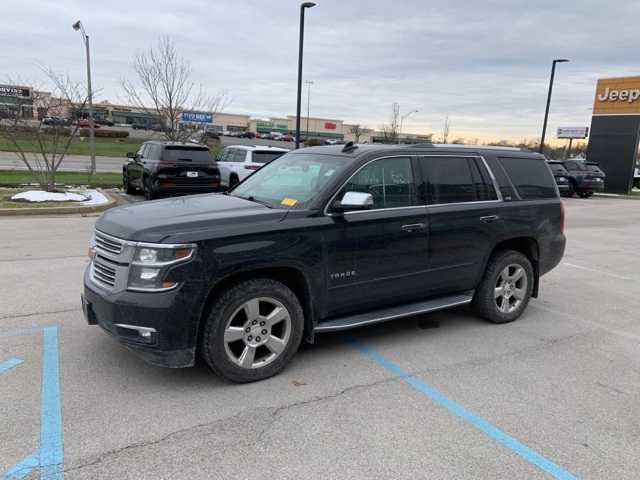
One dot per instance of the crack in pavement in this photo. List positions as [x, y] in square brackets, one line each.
[274, 414]
[33, 314]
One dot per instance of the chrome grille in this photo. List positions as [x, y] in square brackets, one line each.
[108, 244]
[103, 272]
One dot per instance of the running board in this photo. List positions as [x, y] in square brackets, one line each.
[392, 313]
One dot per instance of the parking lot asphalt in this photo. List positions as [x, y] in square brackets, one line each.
[552, 395]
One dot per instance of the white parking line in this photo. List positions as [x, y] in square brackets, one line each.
[612, 275]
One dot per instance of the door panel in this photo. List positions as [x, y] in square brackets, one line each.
[464, 218]
[378, 257]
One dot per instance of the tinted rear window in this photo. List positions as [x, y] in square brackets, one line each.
[186, 154]
[530, 176]
[265, 157]
[457, 180]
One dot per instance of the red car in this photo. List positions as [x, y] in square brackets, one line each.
[84, 123]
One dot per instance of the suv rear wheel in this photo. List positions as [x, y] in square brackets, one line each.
[233, 181]
[506, 287]
[253, 330]
[126, 186]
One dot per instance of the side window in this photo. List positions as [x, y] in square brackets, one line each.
[450, 180]
[485, 190]
[389, 180]
[531, 177]
[142, 152]
[241, 155]
[153, 152]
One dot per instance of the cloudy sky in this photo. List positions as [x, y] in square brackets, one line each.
[485, 64]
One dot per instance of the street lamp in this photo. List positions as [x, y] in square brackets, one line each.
[546, 112]
[92, 138]
[303, 7]
[308, 83]
[402, 120]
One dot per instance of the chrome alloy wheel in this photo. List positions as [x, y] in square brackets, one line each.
[511, 288]
[257, 332]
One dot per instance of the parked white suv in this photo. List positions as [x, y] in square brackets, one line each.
[240, 161]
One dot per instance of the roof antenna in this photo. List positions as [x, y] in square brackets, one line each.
[349, 147]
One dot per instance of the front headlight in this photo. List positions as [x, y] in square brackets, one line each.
[562, 179]
[151, 266]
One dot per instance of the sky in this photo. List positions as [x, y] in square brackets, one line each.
[485, 65]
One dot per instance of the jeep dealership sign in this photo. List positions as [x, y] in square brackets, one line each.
[617, 96]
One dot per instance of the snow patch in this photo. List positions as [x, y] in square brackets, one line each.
[86, 197]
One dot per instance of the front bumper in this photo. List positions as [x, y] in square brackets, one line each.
[591, 186]
[160, 327]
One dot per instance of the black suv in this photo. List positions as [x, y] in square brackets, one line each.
[582, 179]
[163, 168]
[561, 176]
[323, 239]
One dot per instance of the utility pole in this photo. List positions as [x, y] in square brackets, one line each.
[303, 7]
[546, 112]
[92, 136]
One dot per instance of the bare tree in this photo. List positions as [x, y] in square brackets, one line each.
[52, 141]
[357, 131]
[445, 130]
[164, 89]
[390, 130]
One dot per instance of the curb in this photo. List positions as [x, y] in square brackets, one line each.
[62, 210]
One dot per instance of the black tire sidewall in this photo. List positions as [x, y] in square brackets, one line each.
[484, 300]
[213, 348]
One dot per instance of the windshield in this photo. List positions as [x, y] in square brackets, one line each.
[292, 180]
[575, 165]
[557, 168]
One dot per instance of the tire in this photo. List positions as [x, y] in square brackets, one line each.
[585, 194]
[233, 181]
[148, 192]
[571, 191]
[226, 344]
[126, 186]
[487, 304]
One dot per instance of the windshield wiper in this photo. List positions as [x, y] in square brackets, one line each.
[251, 198]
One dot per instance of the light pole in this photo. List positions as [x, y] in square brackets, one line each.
[546, 112]
[402, 120]
[92, 138]
[303, 7]
[308, 83]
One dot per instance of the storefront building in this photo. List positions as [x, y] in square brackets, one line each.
[16, 100]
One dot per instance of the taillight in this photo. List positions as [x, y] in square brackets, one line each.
[562, 216]
[252, 167]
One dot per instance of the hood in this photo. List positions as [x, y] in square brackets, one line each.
[185, 219]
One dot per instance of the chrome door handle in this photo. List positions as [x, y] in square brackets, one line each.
[489, 218]
[414, 227]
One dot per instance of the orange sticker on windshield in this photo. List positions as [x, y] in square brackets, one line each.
[288, 202]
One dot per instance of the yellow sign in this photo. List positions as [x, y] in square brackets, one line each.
[617, 96]
[288, 202]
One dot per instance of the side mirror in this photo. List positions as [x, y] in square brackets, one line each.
[352, 201]
[131, 155]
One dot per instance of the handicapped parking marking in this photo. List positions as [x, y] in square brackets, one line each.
[9, 364]
[468, 416]
[49, 456]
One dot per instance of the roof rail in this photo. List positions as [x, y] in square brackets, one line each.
[349, 147]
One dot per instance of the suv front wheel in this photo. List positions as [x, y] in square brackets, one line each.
[506, 287]
[252, 331]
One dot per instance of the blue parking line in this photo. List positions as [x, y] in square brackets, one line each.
[51, 452]
[23, 468]
[9, 364]
[458, 410]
